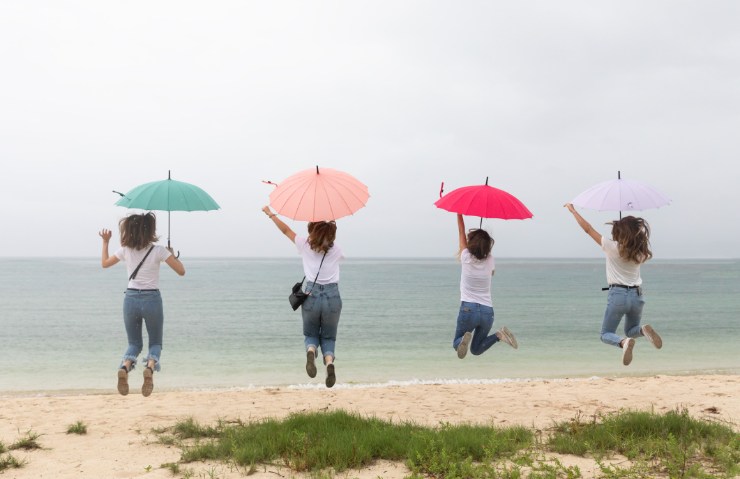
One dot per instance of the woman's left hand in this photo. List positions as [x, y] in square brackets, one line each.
[105, 234]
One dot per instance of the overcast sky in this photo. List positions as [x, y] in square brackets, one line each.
[544, 98]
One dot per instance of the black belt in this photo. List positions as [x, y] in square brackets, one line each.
[140, 290]
[623, 286]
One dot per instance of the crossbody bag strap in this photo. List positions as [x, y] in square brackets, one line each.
[317, 273]
[133, 275]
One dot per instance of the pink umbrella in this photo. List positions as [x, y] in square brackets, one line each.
[621, 195]
[313, 195]
[484, 201]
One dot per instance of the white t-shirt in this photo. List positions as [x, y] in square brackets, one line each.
[311, 260]
[619, 271]
[148, 275]
[475, 279]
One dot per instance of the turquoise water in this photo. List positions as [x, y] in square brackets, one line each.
[228, 323]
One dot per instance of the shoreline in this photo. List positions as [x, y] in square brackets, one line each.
[10, 393]
[120, 441]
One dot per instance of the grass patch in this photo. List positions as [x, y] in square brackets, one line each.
[341, 441]
[670, 445]
[674, 443]
[7, 461]
[77, 428]
[28, 442]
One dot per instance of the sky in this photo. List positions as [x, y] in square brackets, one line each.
[545, 99]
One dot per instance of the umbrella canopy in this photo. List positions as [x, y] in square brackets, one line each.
[319, 195]
[167, 195]
[621, 195]
[484, 201]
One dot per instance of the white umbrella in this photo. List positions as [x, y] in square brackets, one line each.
[621, 195]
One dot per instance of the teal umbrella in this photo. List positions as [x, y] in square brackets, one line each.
[167, 195]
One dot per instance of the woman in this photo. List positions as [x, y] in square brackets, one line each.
[475, 318]
[323, 306]
[625, 252]
[142, 301]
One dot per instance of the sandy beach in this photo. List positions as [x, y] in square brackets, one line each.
[120, 442]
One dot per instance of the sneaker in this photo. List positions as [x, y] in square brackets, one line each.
[508, 337]
[311, 363]
[629, 343]
[122, 381]
[148, 386]
[331, 378]
[652, 336]
[462, 348]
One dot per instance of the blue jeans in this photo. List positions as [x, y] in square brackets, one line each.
[622, 302]
[320, 314]
[478, 319]
[146, 307]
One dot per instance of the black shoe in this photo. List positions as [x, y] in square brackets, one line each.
[331, 378]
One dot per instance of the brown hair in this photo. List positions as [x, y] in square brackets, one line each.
[321, 235]
[138, 231]
[633, 236]
[480, 243]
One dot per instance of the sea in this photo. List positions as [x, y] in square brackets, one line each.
[228, 324]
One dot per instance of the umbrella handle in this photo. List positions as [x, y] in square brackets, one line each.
[169, 247]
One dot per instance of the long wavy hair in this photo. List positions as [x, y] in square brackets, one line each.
[633, 236]
[480, 243]
[321, 235]
[138, 231]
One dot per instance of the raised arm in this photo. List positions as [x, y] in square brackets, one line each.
[284, 229]
[106, 260]
[584, 224]
[462, 237]
[175, 263]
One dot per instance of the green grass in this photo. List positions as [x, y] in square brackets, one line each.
[675, 443]
[7, 461]
[671, 445]
[341, 441]
[77, 428]
[27, 442]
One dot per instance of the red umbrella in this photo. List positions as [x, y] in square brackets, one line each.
[313, 195]
[484, 201]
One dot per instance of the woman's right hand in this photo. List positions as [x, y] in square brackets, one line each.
[105, 234]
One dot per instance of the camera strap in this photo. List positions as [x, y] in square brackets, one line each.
[317, 273]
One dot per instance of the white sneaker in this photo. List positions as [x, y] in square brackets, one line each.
[629, 343]
[652, 336]
[508, 337]
[462, 348]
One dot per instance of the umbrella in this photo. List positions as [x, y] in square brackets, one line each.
[621, 195]
[167, 195]
[313, 195]
[484, 201]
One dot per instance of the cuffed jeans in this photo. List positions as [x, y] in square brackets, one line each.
[143, 307]
[320, 313]
[478, 319]
[622, 302]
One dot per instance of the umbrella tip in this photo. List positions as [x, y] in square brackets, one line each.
[486, 181]
[317, 169]
[118, 193]
[169, 174]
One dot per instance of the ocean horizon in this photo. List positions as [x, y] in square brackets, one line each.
[228, 323]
